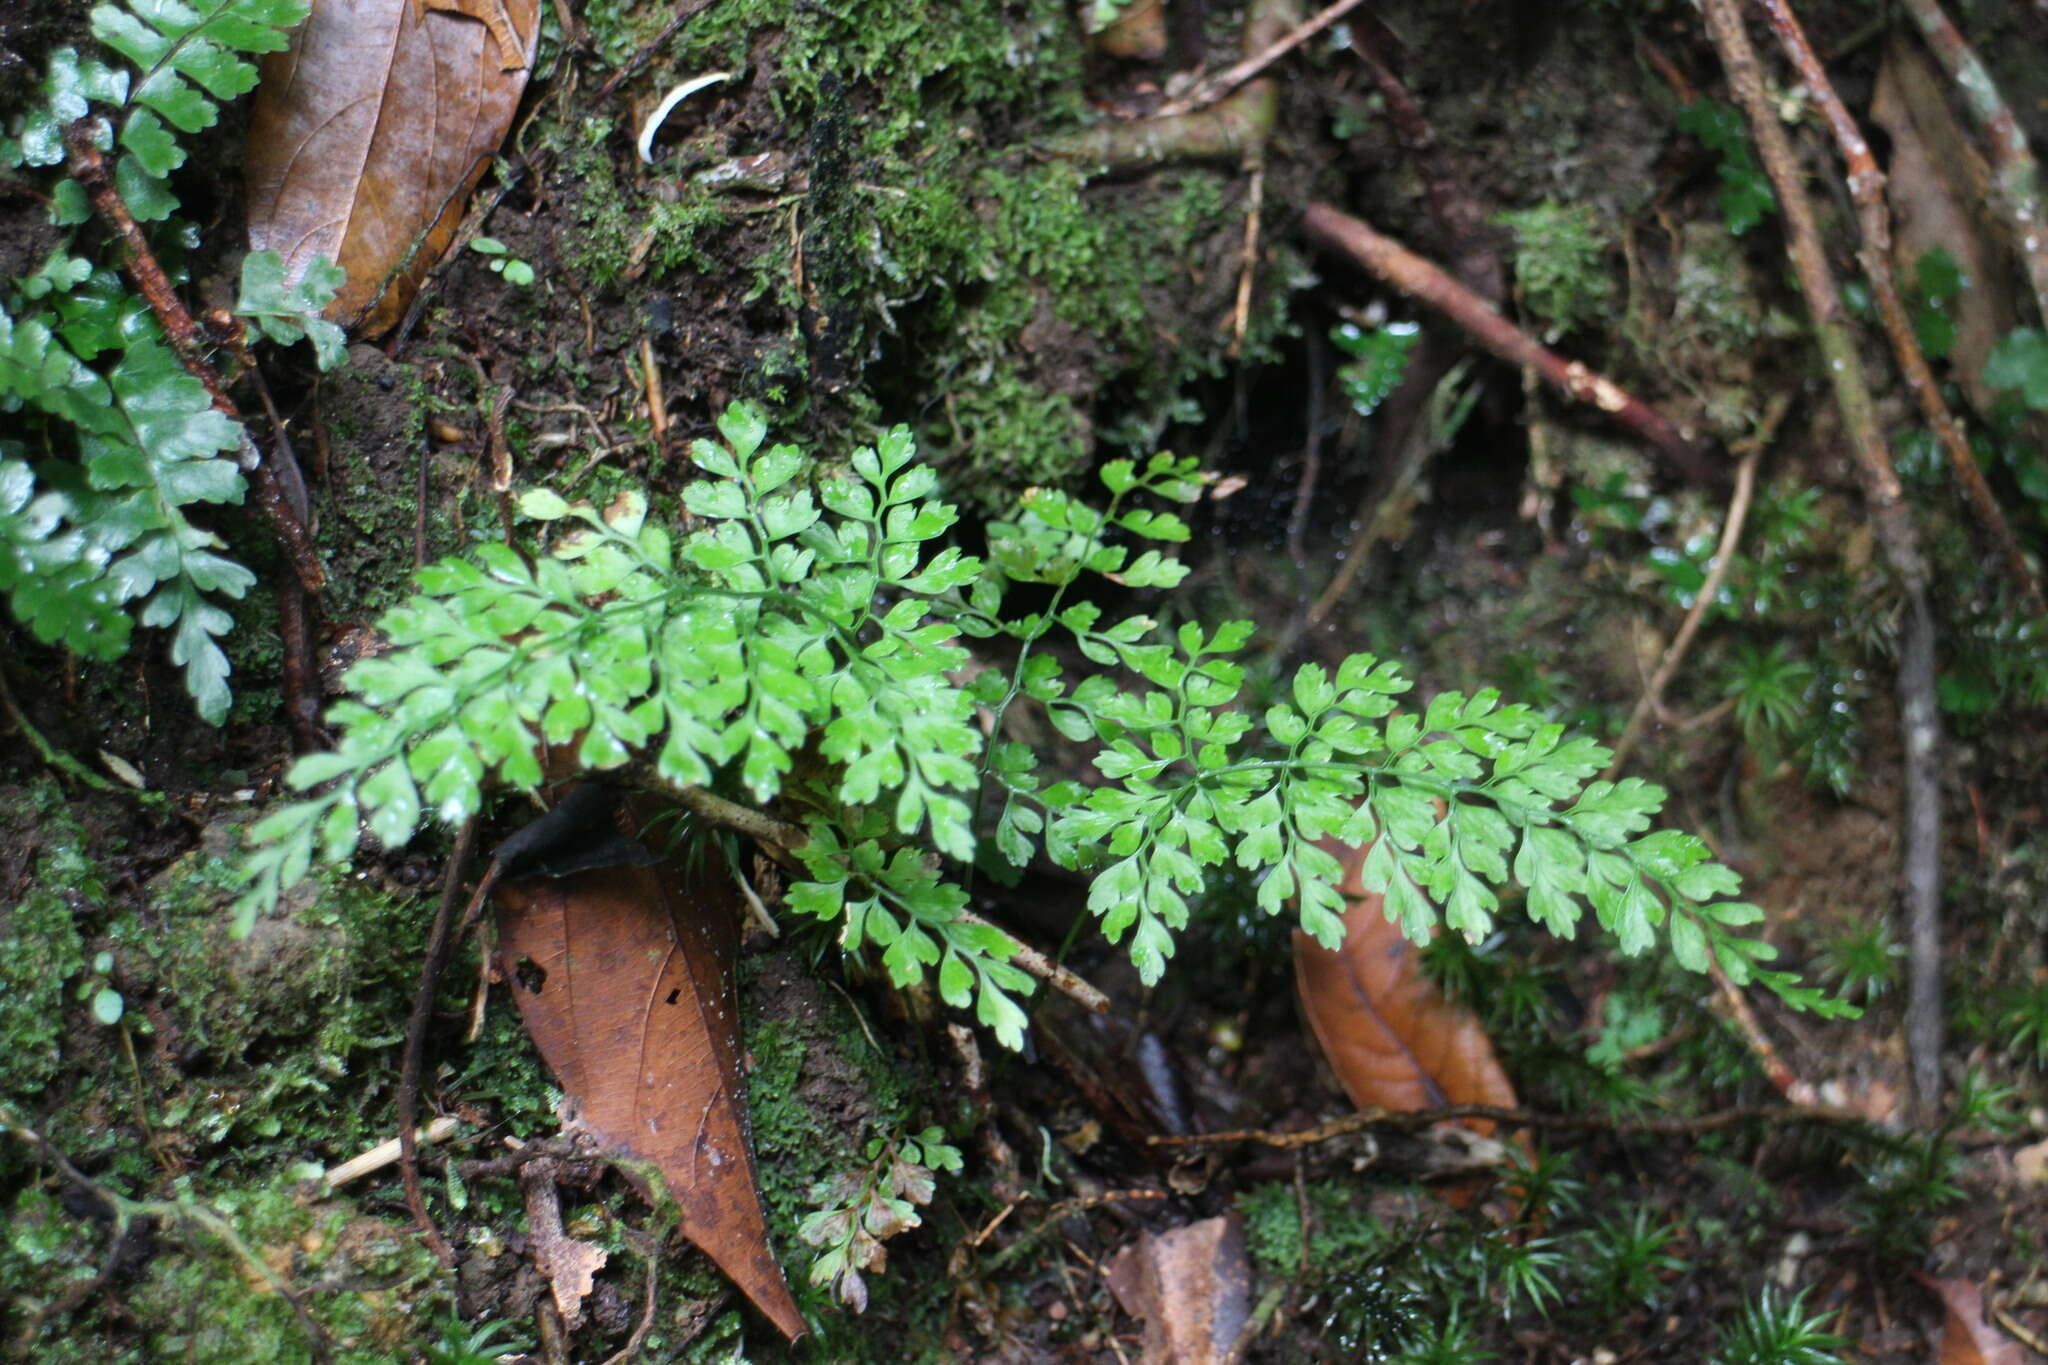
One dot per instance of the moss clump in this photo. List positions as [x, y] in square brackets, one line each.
[916, 256]
[41, 948]
[190, 1297]
[1561, 270]
[620, 232]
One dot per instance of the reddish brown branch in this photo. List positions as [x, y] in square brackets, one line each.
[1452, 207]
[1423, 281]
[1866, 187]
[88, 166]
[2018, 174]
[1897, 537]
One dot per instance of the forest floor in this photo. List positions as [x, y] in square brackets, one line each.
[911, 251]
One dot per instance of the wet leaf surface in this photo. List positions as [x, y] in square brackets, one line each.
[1392, 1038]
[623, 976]
[370, 132]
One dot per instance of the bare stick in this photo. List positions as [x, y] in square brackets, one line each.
[1223, 82]
[1775, 1067]
[1415, 1120]
[1044, 968]
[387, 1151]
[416, 1039]
[632, 1346]
[1866, 187]
[1396, 265]
[1451, 204]
[1667, 667]
[2018, 175]
[1236, 128]
[1919, 722]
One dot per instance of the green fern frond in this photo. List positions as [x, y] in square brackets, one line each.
[103, 540]
[819, 620]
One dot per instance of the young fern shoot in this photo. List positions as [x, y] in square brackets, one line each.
[803, 646]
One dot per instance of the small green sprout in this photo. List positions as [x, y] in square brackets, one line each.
[516, 272]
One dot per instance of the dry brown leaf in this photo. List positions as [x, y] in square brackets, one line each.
[623, 976]
[1138, 33]
[1191, 1287]
[371, 130]
[570, 1267]
[1392, 1038]
[1965, 1338]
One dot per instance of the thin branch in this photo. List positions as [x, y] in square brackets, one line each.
[1724, 555]
[387, 1152]
[1044, 968]
[1215, 87]
[1236, 128]
[1415, 1120]
[1395, 265]
[2017, 178]
[633, 1343]
[1866, 186]
[1919, 722]
[1452, 206]
[685, 12]
[50, 754]
[416, 1039]
[1780, 1073]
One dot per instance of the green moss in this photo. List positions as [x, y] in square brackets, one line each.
[41, 950]
[618, 229]
[1561, 273]
[196, 1300]
[933, 261]
[1343, 1237]
[986, 51]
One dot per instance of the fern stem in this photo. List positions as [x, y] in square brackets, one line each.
[88, 166]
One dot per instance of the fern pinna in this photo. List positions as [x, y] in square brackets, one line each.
[802, 646]
[102, 520]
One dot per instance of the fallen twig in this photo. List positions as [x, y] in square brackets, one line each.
[416, 1039]
[1724, 555]
[1451, 205]
[1866, 186]
[1780, 1073]
[1213, 88]
[1395, 265]
[1415, 1120]
[1236, 128]
[388, 1151]
[2018, 176]
[640, 1329]
[685, 12]
[50, 754]
[1919, 722]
